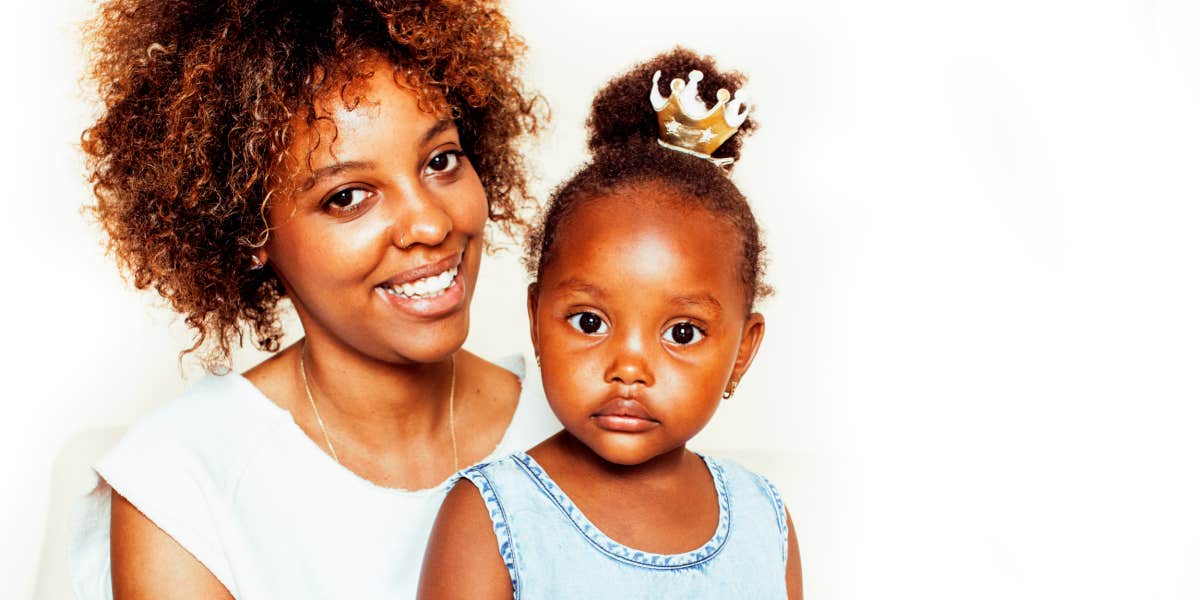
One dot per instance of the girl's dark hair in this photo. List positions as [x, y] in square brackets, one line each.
[622, 134]
[199, 102]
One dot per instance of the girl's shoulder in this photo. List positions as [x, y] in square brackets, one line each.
[747, 485]
[739, 476]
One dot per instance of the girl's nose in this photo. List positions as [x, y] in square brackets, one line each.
[421, 218]
[629, 364]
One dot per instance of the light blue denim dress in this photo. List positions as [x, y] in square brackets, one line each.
[553, 551]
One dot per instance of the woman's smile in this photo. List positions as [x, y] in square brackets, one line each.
[430, 291]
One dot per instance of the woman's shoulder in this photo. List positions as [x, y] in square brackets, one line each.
[207, 430]
[172, 465]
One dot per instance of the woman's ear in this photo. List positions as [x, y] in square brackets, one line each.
[752, 335]
[258, 258]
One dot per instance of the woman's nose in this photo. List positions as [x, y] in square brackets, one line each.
[420, 218]
[630, 364]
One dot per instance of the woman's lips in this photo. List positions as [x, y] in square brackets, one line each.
[448, 301]
[624, 415]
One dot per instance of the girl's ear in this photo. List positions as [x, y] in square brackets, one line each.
[752, 335]
[531, 303]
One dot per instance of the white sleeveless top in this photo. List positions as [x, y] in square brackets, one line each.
[231, 477]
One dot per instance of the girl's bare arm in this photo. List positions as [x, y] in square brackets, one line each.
[462, 559]
[795, 587]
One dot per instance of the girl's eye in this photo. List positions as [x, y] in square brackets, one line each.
[347, 199]
[445, 162]
[588, 322]
[683, 334]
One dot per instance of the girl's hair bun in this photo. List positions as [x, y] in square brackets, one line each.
[621, 112]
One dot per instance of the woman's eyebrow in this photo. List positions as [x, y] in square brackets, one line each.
[435, 129]
[333, 169]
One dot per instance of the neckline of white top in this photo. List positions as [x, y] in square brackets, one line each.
[318, 456]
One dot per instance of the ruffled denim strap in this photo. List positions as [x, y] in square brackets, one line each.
[500, 526]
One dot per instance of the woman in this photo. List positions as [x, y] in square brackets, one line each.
[346, 156]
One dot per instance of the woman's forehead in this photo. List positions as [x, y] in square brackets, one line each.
[378, 113]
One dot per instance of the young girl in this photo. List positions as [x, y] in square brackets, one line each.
[646, 270]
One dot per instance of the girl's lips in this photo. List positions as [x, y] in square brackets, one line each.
[447, 302]
[624, 415]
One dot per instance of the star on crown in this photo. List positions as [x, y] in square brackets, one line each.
[686, 124]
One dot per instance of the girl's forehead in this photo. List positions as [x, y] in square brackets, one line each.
[649, 211]
[650, 239]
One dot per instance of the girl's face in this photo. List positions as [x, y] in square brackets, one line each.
[380, 247]
[640, 322]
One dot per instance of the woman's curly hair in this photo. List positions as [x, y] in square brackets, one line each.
[199, 100]
[622, 137]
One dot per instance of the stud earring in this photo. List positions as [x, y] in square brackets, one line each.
[729, 392]
[256, 263]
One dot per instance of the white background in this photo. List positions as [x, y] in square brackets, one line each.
[979, 378]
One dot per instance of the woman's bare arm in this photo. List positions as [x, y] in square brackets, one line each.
[148, 563]
[795, 582]
[463, 559]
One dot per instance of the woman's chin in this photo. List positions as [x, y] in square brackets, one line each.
[431, 343]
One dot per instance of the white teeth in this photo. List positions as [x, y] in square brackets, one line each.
[426, 287]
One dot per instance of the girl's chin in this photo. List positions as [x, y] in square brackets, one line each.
[627, 452]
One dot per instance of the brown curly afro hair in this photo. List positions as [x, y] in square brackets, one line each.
[200, 98]
[622, 137]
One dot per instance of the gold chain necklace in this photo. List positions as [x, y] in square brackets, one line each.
[321, 423]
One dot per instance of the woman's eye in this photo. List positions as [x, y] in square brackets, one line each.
[348, 198]
[683, 334]
[588, 322]
[445, 162]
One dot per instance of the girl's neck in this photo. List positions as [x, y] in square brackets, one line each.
[667, 505]
[577, 459]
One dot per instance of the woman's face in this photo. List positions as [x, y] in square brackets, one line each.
[380, 246]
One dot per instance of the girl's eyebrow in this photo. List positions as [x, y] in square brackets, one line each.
[581, 286]
[705, 300]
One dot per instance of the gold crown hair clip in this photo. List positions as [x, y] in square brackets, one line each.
[686, 124]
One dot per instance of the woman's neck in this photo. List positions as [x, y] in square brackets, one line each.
[378, 402]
